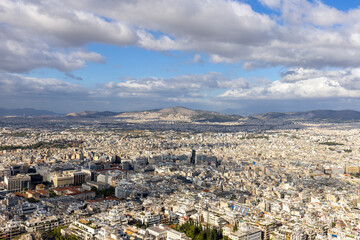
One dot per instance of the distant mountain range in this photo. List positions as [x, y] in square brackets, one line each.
[26, 112]
[165, 114]
[189, 115]
[323, 115]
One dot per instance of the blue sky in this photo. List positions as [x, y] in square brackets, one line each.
[229, 56]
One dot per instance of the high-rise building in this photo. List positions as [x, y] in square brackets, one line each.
[193, 157]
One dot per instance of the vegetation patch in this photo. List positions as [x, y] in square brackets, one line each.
[331, 144]
[198, 232]
[39, 145]
[16, 134]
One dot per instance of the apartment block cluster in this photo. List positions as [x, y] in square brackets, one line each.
[284, 184]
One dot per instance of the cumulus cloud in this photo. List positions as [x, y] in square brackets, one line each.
[181, 86]
[162, 43]
[22, 52]
[307, 34]
[51, 35]
[208, 91]
[193, 19]
[129, 94]
[316, 13]
[18, 91]
[185, 88]
[304, 84]
[306, 37]
[211, 87]
[18, 85]
[63, 25]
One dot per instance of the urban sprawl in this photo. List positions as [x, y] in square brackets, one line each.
[91, 183]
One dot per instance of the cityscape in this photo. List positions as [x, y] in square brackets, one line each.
[84, 178]
[179, 120]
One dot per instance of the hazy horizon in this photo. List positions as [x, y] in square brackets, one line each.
[154, 109]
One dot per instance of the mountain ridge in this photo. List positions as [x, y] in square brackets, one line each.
[332, 115]
[179, 113]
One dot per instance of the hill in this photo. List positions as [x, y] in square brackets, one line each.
[178, 114]
[92, 114]
[316, 115]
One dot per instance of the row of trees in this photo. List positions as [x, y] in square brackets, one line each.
[38, 145]
[197, 232]
[105, 192]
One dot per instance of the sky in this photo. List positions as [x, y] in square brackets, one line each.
[239, 57]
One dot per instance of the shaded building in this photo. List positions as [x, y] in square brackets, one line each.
[16, 169]
[193, 157]
[35, 179]
[79, 178]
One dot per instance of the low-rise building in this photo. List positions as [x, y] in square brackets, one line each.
[85, 229]
[150, 218]
[175, 235]
[246, 233]
[62, 180]
[41, 224]
[17, 183]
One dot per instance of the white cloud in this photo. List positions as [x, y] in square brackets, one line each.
[304, 84]
[214, 58]
[313, 12]
[304, 36]
[271, 3]
[181, 86]
[18, 85]
[307, 34]
[64, 25]
[235, 84]
[163, 43]
[197, 59]
[144, 93]
[22, 52]
[212, 90]
[295, 84]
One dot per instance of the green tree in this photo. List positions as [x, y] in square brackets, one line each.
[197, 232]
[235, 228]
[32, 200]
